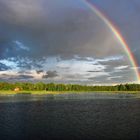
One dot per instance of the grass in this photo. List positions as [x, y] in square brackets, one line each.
[9, 92]
[4, 92]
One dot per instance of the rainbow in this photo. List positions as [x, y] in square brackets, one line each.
[118, 35]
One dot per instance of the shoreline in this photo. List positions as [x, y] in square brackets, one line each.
[2, 92]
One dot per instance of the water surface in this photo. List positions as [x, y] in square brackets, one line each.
[70, 116]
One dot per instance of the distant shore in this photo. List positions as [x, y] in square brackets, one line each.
[54, 88]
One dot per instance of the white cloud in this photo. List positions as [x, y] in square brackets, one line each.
[121, 67]
[78, 69]
[112, 58]
[21, 45]
[68, 70]
[114, 77]
[9, 63]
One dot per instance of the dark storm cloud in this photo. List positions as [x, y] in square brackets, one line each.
[125, 14]
[3, 41]
[39, 71]
[32, 31]
[19, 11]
[50, 74]
[9, 48]
[77, 31]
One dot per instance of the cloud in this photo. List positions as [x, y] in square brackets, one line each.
[11, 77]
[114, 77]
[73, 70]
[10, 48]
[3, 67]
[111, 58]
[50, 74]
[77, 31]
[121, 67]
[21, 46]
[126, 16]
[9, 64]
[95, 71]
[19, 11]
[39, 71]
[64, 37]
[24, 77]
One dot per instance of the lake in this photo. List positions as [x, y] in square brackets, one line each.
[85, 116]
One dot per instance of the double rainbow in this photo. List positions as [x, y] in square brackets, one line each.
[118, 35]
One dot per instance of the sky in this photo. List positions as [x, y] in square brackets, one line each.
[65, 41]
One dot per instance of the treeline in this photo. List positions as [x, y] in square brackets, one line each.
[66, 87]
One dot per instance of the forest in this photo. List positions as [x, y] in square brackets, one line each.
[40, 86]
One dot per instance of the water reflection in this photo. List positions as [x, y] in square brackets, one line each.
[70, 116]
[67, 96]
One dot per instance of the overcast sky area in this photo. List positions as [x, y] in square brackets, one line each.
[65, 41]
